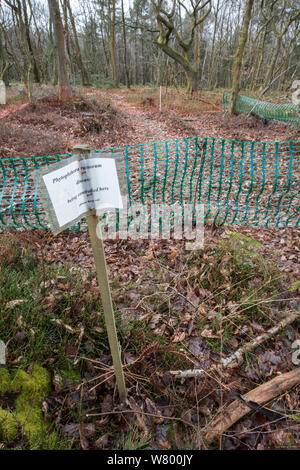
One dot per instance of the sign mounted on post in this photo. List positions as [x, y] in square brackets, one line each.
[77, 187]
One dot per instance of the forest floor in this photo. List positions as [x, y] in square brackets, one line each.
[175, 310]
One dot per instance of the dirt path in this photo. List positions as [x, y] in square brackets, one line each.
[146, 126]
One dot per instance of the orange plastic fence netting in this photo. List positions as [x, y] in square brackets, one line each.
[161, 98]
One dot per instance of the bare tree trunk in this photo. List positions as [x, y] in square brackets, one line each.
[125, 46]
[36, 73]
[273, 61]
[112, 40]
[260, 59]
[239, 57]
[78, 57]
[59, 38]
[41, 66]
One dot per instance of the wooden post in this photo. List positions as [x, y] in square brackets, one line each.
[160, 98]
[101, 269]
[2, 92]
[2, 353]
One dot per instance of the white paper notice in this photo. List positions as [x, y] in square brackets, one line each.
[83, 185]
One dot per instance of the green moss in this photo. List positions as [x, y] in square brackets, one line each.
[294, 286]
[69, 374]
[5, 381]
[35, 386]
[8, 426]
[33, 425]
[33, 389]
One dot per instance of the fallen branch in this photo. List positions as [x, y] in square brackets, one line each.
[238, 356]
[262, 394]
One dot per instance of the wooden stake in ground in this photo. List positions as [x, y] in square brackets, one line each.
[102, 276]
[2, 353]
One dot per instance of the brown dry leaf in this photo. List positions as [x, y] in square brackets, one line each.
[162, 437]
[6, 254]
[62, 286]
[195, 345]
[107, 403]
[129, 357]
[83, 440]
[201, 310]
[20, 320]
[102, 442]
[154, 320]
[70, 429]
[140, 418]
[20, 336]
[49, 302]
[232, 307]
[207, 333]
[233, 343]
[16, 361]
[161, 330]
[67, 327]
[178, 337]
[279, 438]
[14, 303]
[88, 429]
[193, 298]
[81, 334]
[187, 416]
[203, 292]
[57, 383]
[165, 445]
[187, 317]
[98, 329]
[151, 408]
[257, 328]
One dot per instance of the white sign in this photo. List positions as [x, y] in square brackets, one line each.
[81, 186]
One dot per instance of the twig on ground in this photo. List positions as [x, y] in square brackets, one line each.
[238, 356]
[171, 418]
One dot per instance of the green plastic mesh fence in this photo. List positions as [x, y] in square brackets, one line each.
[288, 113]
[244, 183]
